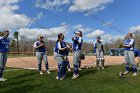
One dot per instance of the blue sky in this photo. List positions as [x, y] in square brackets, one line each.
[49, 17]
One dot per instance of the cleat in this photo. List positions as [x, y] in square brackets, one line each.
[102, 67]
[48, 72]
[41, 72]
[80, 69]
[134, 74]
[75, 76]
[2, 79]
[69, 70]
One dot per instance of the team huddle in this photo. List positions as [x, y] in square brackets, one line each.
[61, 53]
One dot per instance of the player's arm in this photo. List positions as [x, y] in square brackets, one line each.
[94, 47]
[37, 45]
[0, 39]
[103, 48]
[59, 47]
[75, 40]
[69, 48]
[130, 44]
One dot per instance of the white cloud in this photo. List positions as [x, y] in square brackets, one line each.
[104, 36]
[8, 18]
[40, 14]
[108, 23]
[95, 33]
[51, 4]
[8, 2]
[80, 27]
[50, 33]
[89, 5]
[135, 29]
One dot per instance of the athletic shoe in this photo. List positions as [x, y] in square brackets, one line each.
[59, 78]
[102, 67]
[69, 70]
[126, 72]
[75, 76]
[134, 74]
[80, 69]
[2, 79]
[41, 72]
[48, 72]
[98, 68]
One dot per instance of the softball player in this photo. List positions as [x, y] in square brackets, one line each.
[39, 45]
[77, 46]
[129, 54]
[98, 49]
[4, 48]
[60, 56]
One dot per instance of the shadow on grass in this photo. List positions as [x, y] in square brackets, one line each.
[86, 72]
[26, 75]
[20, 89]
[10, 83]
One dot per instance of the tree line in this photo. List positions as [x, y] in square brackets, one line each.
[23, 45]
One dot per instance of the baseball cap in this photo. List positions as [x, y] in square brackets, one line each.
[77, 32]
[40, 36]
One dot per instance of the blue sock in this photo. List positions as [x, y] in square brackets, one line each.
[134, 68]
[59, 71]
[39, 67]
[75, 69]
[64, 68]
[47, 66]
[127, 67]
[1, 72]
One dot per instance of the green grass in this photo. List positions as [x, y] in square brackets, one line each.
[90, 81]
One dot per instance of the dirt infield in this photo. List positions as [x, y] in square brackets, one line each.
[31, 62]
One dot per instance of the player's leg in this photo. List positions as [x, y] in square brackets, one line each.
[39, 58]
[102, 60]
[103, 63]
[127, 62]
[80, 64]
[97, 60]
[64, 68]
[45, 58]
[3, 59]
[68, 64]
[76, 64]
[59, 60]
[131, 58]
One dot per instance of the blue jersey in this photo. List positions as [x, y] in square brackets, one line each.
[60, 45]
[131, 43]
[40, 49]
[77, 43]
[98, 46]
[4, 44]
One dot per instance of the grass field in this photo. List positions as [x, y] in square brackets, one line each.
[90, 81]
